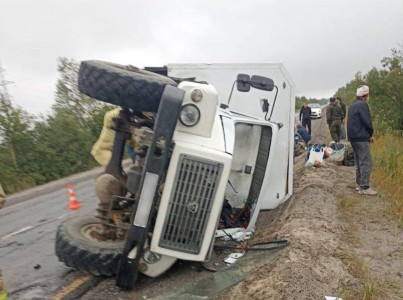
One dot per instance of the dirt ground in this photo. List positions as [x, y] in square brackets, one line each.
[342, 243]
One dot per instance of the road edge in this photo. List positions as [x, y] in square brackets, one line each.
[52, 186]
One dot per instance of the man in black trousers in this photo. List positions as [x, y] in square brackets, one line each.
[305, 117]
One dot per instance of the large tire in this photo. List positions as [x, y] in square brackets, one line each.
[82, 253]
[125, 86]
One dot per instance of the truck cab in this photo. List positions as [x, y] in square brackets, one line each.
[222, 133]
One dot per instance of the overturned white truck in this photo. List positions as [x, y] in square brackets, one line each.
[221, 131]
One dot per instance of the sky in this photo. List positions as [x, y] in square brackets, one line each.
[322, 43]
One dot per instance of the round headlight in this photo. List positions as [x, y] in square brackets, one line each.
[190, 115]
[196, 95]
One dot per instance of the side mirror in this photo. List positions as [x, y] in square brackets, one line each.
[264, 103]
[243, 83]
[262, 83]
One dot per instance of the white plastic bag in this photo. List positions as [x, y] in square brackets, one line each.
[315, 157]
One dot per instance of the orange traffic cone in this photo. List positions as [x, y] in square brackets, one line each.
[73, 202]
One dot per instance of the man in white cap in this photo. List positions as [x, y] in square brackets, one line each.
[359, 132]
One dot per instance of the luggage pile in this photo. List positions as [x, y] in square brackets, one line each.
[338, 153]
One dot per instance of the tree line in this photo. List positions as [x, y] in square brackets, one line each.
[300, 100]
[385, 92]
[35, 150]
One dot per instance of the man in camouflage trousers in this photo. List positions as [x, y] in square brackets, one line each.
[344, 110]
[334, 115]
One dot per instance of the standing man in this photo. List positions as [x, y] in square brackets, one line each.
[305, 116]
[343, 108]
[359, 132]
[334, 115]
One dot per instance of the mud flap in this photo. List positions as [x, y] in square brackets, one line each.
[165, 123]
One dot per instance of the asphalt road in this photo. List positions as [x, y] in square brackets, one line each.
[27, 234]
[30, 268]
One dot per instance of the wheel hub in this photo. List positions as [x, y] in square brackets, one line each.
[96, 232]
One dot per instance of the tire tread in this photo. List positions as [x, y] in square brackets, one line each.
[85, 258]
[115, 84]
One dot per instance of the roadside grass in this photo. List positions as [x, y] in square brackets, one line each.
[353, 211]
[378, 288]
[347, 206]
[387, 175]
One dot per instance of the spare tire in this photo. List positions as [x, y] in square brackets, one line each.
[78, 250]
[125, 86]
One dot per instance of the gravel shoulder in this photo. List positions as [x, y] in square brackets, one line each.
[342, 243]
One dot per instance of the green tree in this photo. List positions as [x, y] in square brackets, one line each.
[16, 138]
[68, 98]
[389, 92]
[67, 135]
[35, 150]
[386, 91]
[347, 93]
[299, 101]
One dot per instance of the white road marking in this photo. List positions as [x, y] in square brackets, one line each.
[31, 227]
[16, 232]
[65, 215]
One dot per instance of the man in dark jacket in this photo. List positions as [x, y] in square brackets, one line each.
[344, 110]
[359, 132]
[303, 133]
[334, 115]
[305, 116]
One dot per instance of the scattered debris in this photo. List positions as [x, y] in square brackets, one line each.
[235, 234]
[37, 266]
[208, 267]
[270, 245]
[231, 259]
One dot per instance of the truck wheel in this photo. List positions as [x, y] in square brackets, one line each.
[78, 250]
[125, 86]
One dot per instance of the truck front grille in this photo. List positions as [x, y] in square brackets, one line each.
[193, 193]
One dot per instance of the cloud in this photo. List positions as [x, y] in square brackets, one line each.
[321, 43]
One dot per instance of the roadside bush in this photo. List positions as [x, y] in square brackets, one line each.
[387, 155]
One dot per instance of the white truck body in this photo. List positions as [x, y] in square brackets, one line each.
[254, 155]
[245, 107]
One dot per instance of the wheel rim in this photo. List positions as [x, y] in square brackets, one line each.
[87, 232]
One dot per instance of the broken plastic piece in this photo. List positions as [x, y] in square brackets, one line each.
[237, 234]
[231, 259]
[236, 255]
